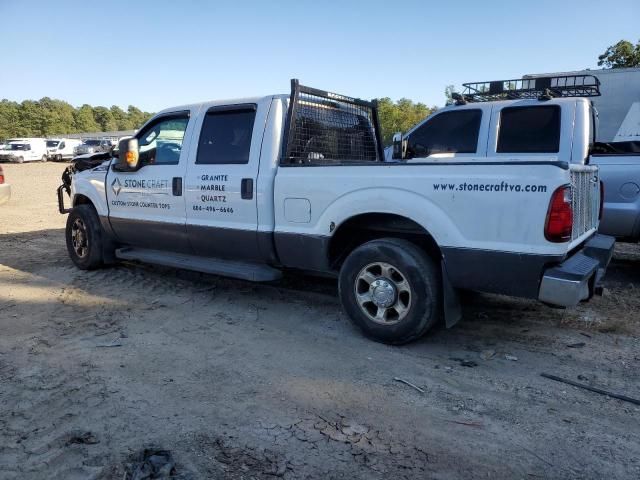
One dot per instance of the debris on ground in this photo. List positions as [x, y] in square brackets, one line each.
[511, 358]
[84, 438]
[464, 362]
[487, 354]
[396, 379]
[592, 389]
[576, 345]
[152, 464]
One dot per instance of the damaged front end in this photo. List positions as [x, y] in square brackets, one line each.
[78, 164]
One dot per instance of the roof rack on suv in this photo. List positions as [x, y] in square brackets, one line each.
[542, 88]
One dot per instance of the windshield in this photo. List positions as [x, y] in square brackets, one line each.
[52, 143]
[93, 143]
[20, 146]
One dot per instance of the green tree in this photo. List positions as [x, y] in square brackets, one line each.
[104, 119]
[399, 116]
[84, 120]
[120, 118]
[623, 54]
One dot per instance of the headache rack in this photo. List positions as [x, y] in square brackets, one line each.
[328, 128]
[541, 88]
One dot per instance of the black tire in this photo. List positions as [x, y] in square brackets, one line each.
[84, 237]
[415, 279]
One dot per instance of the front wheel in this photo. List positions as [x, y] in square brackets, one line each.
[391, 290]
[44, 158]
[84, 237]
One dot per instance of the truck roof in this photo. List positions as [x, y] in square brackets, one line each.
[227, 101]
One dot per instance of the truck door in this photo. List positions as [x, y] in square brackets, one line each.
[221, 181]
[147, 207]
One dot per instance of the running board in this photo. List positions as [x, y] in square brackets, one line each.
[253, 272]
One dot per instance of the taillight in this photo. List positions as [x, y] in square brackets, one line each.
[601, 200]
[559, 222]
[1, 175]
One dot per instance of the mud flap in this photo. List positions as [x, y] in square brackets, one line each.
[451, 300]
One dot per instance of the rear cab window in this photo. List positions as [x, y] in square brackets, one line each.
[532, 128]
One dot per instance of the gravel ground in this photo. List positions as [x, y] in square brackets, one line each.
[238, 380]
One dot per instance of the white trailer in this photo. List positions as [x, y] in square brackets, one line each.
[618, 105]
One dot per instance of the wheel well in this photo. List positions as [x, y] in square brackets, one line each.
[81, 200]
[370, 226]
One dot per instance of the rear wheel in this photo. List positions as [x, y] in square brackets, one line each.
[20, 159]
[44, 158]
[391, 290]
[84, 237]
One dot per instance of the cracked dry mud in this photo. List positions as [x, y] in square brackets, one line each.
[242, 381]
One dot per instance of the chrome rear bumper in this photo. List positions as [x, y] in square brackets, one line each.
[579, 277]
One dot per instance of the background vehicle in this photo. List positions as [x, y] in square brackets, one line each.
[5, 188]
[93, 146]
[244, 188]
[617, 149]
[59, 149]
[25, 150]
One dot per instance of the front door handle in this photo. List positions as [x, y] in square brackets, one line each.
[246, 189]
[176, 186]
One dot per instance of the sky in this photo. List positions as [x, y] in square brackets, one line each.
[158, 54]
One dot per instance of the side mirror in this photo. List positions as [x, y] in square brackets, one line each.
[128, 157]
[399, 146]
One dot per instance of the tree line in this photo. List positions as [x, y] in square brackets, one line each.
[49, 117]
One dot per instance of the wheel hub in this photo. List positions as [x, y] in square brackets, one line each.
[383, 293]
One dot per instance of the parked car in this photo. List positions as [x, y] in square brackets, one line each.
[59, 149]
[25, 150]
[491, 196]
[5, 188]
[93, 146]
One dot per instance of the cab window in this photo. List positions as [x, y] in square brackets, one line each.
[226, 136]
[161, 142]
[447, 132]
[529, 130]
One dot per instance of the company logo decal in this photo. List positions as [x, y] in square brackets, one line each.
[116, 186]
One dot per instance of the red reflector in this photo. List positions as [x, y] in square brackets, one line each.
[1, 175]
[559, 222]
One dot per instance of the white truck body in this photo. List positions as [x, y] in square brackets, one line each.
[59, 149]
[25, 150]
[296, 204]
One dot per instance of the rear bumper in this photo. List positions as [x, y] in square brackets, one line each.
[579, 276]
[5, 193]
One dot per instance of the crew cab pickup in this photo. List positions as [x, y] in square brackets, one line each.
[486, 197]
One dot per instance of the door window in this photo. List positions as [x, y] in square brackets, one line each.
[161, 142]
[226, 137]
[447, 132]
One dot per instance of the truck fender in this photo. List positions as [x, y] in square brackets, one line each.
[395, 201]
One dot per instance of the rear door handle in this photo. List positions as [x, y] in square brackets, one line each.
[246, 189]
[176, 185]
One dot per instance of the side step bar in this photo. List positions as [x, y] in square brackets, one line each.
[253, 272]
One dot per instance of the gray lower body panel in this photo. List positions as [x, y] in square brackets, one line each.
[507, 273]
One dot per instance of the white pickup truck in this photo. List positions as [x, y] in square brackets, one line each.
[490, 196]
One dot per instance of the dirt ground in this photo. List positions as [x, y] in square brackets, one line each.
[240, 381]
